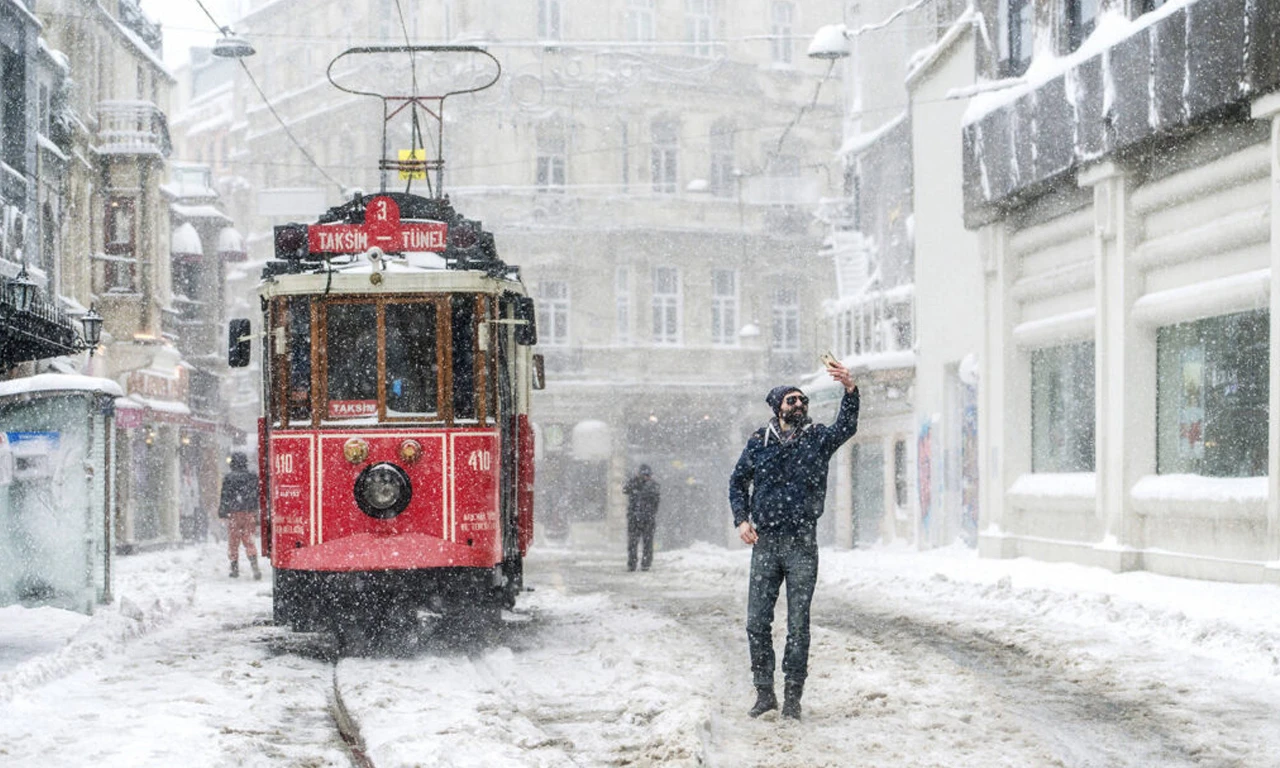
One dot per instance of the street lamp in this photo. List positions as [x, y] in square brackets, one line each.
[24, 290]
[231, 46]
[92, 326]
[830, 43]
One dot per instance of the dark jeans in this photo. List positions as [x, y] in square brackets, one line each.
[774, 559]
[639, 536]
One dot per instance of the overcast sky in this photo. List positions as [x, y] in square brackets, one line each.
[185, 25]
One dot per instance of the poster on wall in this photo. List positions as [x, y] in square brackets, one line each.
[1191, 404]
[924, 471]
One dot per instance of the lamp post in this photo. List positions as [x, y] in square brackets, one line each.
[91, 324]
[24, 290]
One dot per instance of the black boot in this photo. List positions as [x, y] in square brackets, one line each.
[765, 701]
[235, 569]
[253, 563]
[791, 700]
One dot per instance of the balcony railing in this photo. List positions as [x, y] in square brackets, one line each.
[132, 128]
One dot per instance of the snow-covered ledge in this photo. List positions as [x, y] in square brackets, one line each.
[1200, 496]
[1054, 490]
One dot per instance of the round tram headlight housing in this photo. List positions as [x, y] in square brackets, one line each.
[355, 450]
[383, 491]
[410, 451]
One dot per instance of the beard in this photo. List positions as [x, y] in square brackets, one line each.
[796, 418]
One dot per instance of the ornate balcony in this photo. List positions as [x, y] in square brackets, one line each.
[132, 128]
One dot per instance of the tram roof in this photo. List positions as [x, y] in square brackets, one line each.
[410, 273]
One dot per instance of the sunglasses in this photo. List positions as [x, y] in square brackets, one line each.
[796, 400]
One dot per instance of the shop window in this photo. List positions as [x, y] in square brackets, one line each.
[1062, 408]
[1212, 394]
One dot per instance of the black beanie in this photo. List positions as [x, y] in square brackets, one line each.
[774, 398]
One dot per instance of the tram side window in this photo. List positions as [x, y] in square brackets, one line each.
[351, 347]
[412, 371]
[298, 341]
[464, 357]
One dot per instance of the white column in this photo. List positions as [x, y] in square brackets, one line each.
[1268, 108]
[1003, 398]
[1124, 370]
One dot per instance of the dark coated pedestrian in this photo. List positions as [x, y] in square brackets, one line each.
[777, 492]
[643, 495]
[239, 507]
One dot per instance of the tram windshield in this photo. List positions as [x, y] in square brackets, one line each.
[383, 359]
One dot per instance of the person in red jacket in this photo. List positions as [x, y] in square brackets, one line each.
[239, 507]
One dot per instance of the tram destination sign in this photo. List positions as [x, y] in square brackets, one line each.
[382, 228]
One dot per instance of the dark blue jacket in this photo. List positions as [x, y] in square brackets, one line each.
[781, 485]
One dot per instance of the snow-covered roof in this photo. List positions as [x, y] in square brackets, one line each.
[59, 382]
[1112, 27]
[186, 240]
[199, 212]
[862, 142]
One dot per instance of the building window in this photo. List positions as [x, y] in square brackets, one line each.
[639, 20]
[781, 18]
[1211, 396]
[724, 307]
[120, 245]
[622, 304]
[624, 143]
[553, 313]
[548, 19]
[1062, 410]
[1147, 6]
[663, 154]
[13, 137]
[723, 182]
[1081, 19]
[666, 305]
[551, 158]
[786, 320]
[697, 27]
[1018, 24]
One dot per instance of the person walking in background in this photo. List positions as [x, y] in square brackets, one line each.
[643, 494]
[239, 507]
[777, 491]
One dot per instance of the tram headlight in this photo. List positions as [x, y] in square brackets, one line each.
[355, 450]
[383, 491]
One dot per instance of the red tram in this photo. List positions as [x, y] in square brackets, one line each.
[395, 446]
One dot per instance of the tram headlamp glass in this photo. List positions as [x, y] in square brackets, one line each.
[383, 491]
[355, 450]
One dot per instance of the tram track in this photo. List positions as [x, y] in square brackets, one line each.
[348, 727]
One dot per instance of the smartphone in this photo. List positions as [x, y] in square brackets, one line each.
[829, 359]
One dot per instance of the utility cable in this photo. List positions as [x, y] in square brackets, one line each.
[271, 107]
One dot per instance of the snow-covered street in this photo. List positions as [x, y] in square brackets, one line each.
[918, 659]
